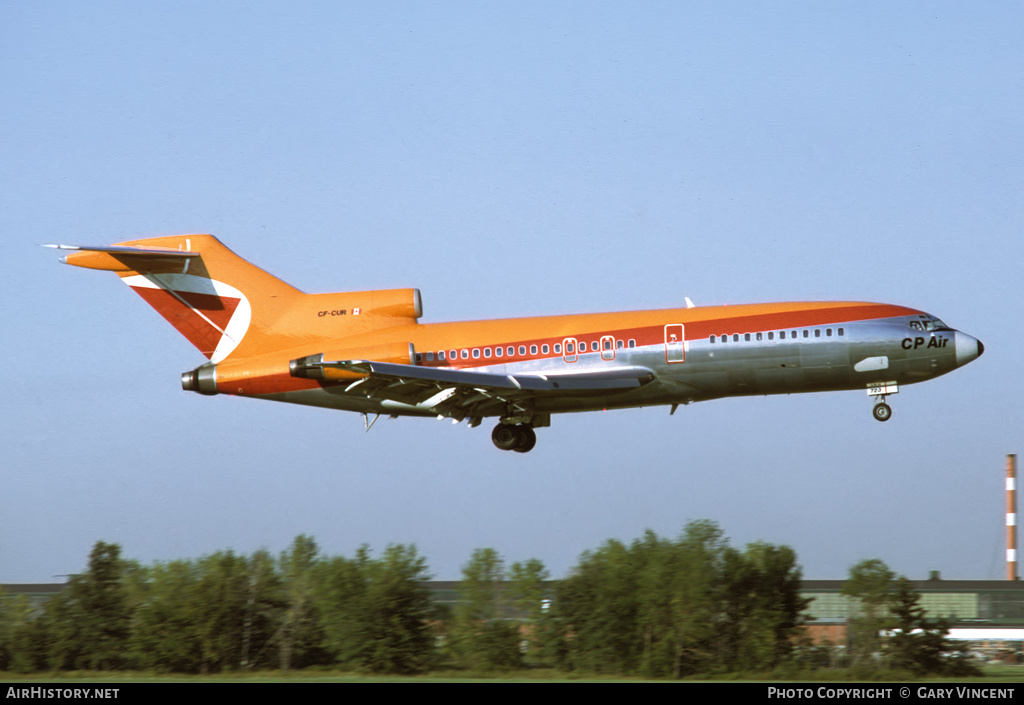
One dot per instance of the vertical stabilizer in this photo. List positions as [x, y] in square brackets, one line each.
[213, 297]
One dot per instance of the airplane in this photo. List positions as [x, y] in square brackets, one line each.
[366, 351]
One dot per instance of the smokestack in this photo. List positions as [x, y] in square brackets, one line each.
[1011, 517]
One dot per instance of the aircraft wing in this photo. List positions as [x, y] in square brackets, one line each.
[460, 394]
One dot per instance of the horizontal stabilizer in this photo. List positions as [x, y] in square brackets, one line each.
[148, 252]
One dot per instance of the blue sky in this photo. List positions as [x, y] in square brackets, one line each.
[510, 159]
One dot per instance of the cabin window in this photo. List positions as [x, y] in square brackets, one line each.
[607, 344]
[476, 353]
[712, 340]
[746, 337]
[842, 332]
[533, 349]
[817, 332]
[440, 355]
[430, 357]
[453, 354]
[569, 348]
[828, 332]
[618, 344]
[487, 352]
[735, 337]
[498, 352]
[511, 351]
[632, 343]
[419, 358]
[465, 354]
[759, 336]
[544, 348]
[522, 349]
[558, 348]
[594, 345]
[807, 333]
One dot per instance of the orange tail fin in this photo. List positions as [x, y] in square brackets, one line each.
[223, 304]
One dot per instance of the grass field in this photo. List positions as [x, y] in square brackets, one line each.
[992, 675]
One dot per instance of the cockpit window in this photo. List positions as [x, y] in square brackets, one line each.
[929, 324]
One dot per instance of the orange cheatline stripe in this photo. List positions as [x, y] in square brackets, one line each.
[587, 328]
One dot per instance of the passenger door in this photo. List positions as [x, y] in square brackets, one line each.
[675, 343]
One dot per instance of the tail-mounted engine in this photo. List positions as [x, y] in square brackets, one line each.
[331, 366]
[202, 379]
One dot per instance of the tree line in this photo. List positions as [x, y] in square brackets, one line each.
[658, 607]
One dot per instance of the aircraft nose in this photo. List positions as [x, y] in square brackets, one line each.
[967, 348]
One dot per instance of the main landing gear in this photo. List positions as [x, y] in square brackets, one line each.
[518, 437]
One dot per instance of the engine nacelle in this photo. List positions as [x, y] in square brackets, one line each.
[319, 366]
[202, 379]
[396, 303]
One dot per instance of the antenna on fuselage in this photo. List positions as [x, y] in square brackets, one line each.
[689, 304]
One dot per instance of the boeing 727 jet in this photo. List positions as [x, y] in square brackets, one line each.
[366, 351]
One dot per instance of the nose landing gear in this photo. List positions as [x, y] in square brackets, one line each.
[880, 390]
[518, 437]
[882, 411]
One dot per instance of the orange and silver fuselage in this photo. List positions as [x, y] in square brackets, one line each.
[368, 351]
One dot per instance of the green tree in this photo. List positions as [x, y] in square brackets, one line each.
[668, 608]
[15, 615]
[695, 596]
[871, 583]
[218, 607]
[297, 631]
[482, 639]
[918, 644]
[31, 644]
[90, 621]
[201, 616]
[764, 608]
[597, 611]
[526, 587]
[164, 637]
[263, 603]
[527, 594]
[376, 612]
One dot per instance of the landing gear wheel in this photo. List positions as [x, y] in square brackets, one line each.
[518, 437]
[526, 439]
[504, 436]
[882, 411]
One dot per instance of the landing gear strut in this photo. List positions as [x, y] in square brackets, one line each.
[517, 437]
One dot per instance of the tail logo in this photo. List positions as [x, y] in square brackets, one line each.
[212, 315]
